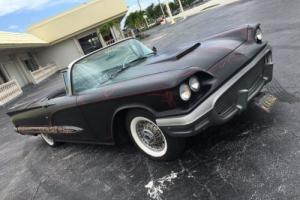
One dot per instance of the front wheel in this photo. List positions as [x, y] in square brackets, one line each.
[149, 138]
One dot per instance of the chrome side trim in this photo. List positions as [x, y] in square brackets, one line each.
[209, 103]
[49, 130]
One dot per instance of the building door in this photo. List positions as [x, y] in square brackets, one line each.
[14, 73]
[31, 64]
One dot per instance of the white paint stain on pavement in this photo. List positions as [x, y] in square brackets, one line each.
[156, 187]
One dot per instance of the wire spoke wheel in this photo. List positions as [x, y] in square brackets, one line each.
[148, 136]
[150, 139]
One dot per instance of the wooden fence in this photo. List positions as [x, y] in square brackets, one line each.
[43, 73]
[9, 91]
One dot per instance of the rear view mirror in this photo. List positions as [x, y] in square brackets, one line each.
[154, 49]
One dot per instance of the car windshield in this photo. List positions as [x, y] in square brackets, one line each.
[97, 68]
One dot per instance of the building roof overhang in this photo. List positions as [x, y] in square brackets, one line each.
[77, 20]
[20, 40]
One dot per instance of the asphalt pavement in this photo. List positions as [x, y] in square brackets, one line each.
[255, 156]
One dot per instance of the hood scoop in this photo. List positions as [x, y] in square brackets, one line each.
[187, 51]
[176, 56]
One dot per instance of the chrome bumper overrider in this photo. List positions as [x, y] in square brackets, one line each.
[206, 113]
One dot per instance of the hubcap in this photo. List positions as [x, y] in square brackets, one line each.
[148, 136]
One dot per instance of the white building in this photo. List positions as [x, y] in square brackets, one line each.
[29, 58]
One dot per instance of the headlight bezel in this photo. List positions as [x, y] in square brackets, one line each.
[206, 81]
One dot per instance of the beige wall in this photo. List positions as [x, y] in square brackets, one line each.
[61, 54]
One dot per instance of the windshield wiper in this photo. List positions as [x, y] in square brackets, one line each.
[126, 66]
[138, 59]
[122, 68]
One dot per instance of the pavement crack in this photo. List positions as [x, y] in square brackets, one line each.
[277, 155]
[36, 190]
[203, 185]
[148, 168]
[225, 180]
[211, 194]
[185, 169]
[202, 161]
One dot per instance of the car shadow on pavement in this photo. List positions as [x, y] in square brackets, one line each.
[250, 123]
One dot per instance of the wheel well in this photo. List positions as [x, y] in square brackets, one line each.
[119, 129]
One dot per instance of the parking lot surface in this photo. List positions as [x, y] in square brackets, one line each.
[255, 156]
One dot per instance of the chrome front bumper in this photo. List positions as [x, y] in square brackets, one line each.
[230, 99]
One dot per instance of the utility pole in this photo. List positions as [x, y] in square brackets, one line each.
[170, 13]
[162, 10]
[139, 5]
[144, 16]
[180, 5]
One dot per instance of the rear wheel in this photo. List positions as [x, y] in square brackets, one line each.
[149, 138]
[49, 140]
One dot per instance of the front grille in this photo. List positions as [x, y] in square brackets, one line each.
[251, 81]
[257, 84]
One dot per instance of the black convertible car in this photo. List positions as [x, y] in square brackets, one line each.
[159, 98]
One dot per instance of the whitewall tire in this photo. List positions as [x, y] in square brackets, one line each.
[48, 139]
[149, 138]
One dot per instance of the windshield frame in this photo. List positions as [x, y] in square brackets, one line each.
[71, 66]
[66, 79]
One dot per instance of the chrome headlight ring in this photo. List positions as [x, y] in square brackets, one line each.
[258, 35]
[194, 84]
[185, 92]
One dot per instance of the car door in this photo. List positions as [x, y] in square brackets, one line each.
[63, 111]
[98, 114]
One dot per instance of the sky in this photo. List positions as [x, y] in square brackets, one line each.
[18, 15]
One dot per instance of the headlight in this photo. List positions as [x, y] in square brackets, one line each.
[194, 84]
[258, 35]
[185, 92]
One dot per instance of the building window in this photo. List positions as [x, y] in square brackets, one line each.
[31, 64]
[90, 43]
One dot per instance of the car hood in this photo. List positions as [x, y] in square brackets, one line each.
[201, 55]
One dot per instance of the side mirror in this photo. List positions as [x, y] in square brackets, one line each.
[154, 49]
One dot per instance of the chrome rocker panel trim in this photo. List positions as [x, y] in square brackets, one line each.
[49, 130]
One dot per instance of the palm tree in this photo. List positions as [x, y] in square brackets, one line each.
[135, 20]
